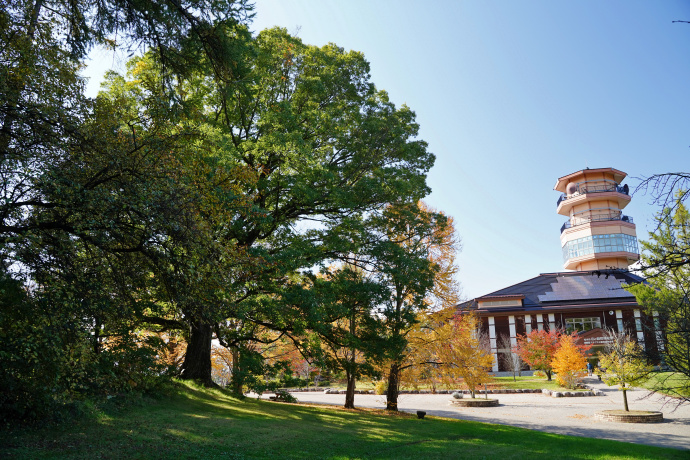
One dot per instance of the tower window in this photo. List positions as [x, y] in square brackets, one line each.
[599, 243]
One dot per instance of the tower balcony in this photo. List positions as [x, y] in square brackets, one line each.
[596, 217]
[619, 193]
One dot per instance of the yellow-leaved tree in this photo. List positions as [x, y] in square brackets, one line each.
[569, 362]
[464, 352]
[431, 331]
[624, 362]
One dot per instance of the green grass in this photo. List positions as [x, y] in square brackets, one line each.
[671, 383]
[522, 383]
[199, 423]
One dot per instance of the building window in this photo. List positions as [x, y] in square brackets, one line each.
[599, 243]
[581, 324]
[501, 303]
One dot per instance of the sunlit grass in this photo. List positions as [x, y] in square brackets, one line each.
[193, 422]
[670, 383]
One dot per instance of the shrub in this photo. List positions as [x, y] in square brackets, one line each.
[380, 387]
[285, 396]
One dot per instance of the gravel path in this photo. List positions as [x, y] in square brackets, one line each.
[570, 416]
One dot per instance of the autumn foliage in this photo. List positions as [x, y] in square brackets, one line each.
[462, 352]
[538, 349]
[624, 362]
[569, 362]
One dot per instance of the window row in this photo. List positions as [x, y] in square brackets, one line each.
[599, 243]
[581, 324]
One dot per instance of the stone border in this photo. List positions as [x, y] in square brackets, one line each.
[571, 394]
[474, 402]
[555, 394]
[633, 416]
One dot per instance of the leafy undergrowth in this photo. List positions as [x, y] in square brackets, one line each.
[194, 422]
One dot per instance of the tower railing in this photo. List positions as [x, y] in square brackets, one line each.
[599, 217]
[587, 188]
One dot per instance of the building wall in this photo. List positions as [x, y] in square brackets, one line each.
[608, 321]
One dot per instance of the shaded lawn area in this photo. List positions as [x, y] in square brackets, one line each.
[200, 423]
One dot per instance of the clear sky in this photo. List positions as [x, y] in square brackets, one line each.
[511, 95]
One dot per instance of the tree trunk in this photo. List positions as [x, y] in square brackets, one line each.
[350, 369]
[392, 391]
[236, 375]
[548, 375]
[197, 359]
[625, 399]
[350, 394]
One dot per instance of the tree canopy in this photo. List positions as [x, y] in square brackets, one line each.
[194, 196]
[665, 295]
[538, 348]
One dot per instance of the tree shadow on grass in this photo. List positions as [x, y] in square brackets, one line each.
[198, 423]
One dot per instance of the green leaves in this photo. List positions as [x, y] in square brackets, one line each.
[665, 295]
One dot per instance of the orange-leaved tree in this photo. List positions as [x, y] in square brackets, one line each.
[537, 349]
[569, 362]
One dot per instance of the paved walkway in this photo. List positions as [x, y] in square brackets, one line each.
[571, 416]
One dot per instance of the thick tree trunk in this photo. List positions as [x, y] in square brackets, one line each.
[350, 394]
[350, 369]
[548, 375]
[197, 359]
[393, 384]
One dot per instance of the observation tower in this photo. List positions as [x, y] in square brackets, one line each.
[597, 235]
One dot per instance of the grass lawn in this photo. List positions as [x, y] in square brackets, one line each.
[199, 423]
[521, 383]
[671, 383]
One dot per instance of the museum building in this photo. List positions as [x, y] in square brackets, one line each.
[599, 243]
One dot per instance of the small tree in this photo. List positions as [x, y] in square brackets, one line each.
[466, 353]
[537, 349]
[569, 362]
[511, 360]
[348, 299]
[624, 363]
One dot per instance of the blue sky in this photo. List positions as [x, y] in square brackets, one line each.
[512, 95]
